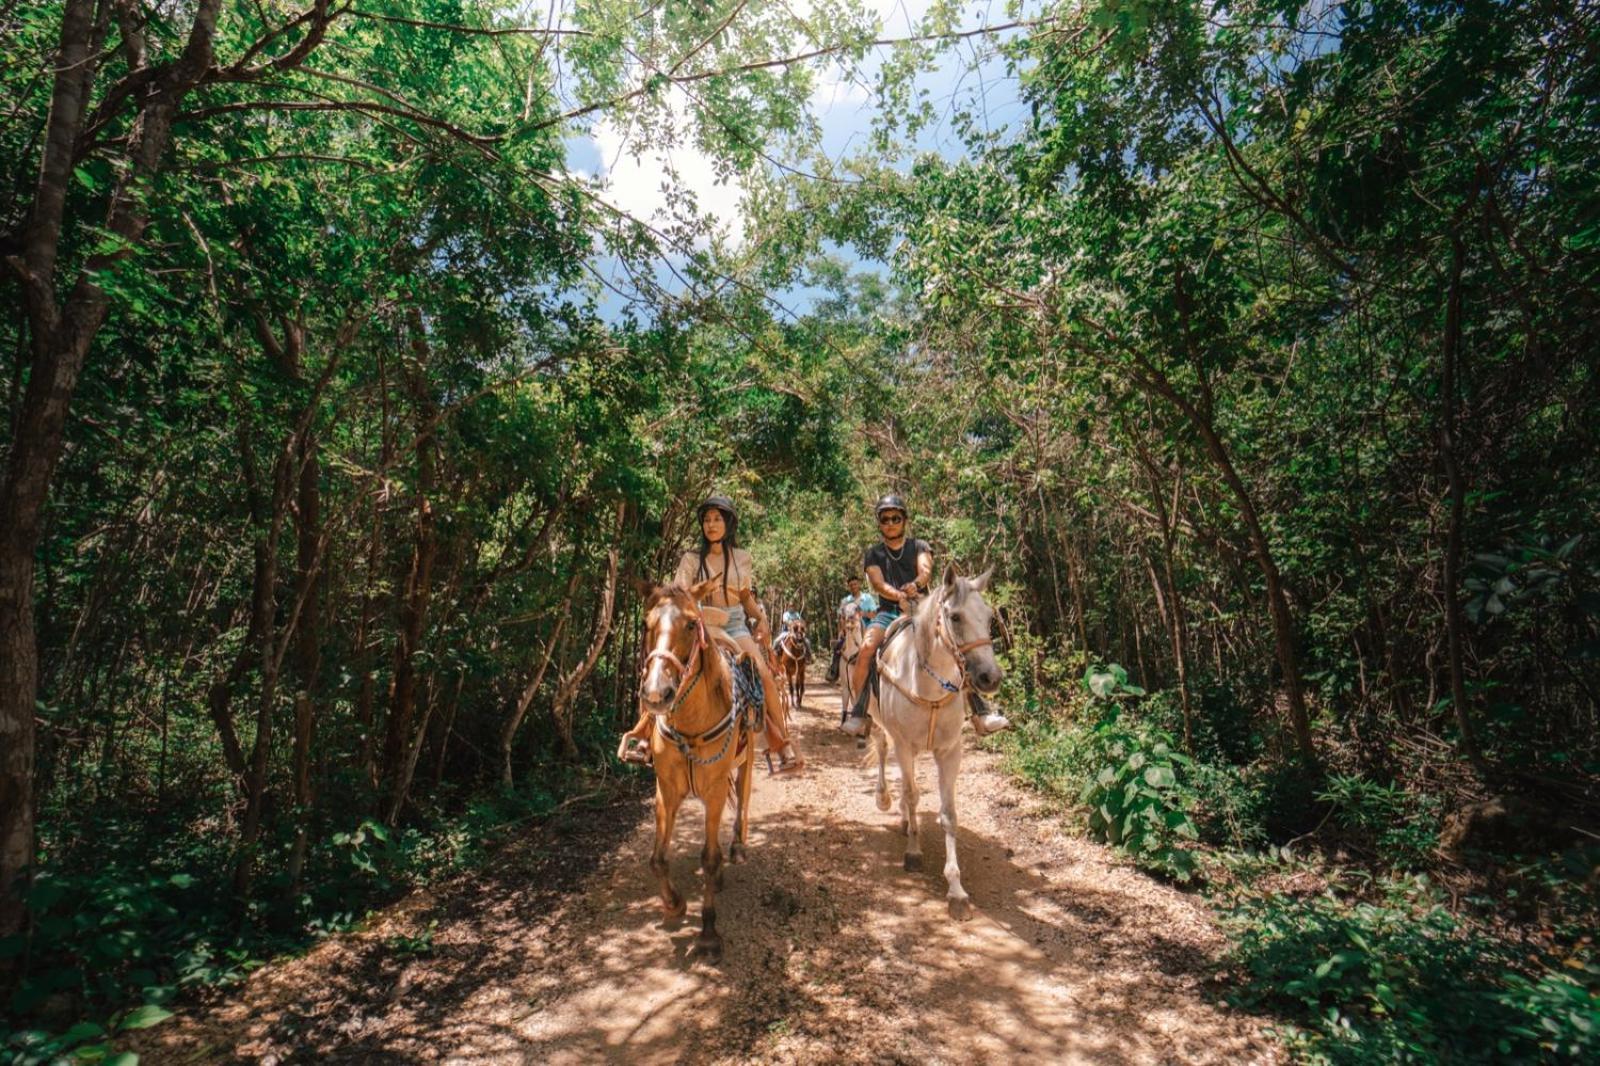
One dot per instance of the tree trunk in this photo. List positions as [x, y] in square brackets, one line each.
[1261, 550]
[61, 335]
[1454, 642]
[265, 610]
[418, 584]
[561, 709]
[303, 725]
[508, 733]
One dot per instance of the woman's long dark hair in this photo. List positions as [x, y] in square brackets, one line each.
[730, 541]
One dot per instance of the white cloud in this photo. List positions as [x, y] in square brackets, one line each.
[639, 182]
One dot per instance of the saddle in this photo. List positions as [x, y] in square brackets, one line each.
[898, 626]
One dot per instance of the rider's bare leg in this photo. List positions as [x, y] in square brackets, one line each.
[856, 724]
[777, 728]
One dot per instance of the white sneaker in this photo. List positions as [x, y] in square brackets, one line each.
[986, 724]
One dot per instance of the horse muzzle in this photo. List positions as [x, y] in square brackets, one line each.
[986, 679]
[658, 689]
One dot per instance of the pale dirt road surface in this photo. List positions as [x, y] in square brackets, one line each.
[557, 953]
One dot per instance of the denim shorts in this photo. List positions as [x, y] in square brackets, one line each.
[885, 616]
[736, 627]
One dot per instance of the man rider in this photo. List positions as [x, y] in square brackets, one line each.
[865, 603]
[898, 568]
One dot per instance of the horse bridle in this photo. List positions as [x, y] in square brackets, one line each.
[942, 632]
[684, 741]
[684, 668]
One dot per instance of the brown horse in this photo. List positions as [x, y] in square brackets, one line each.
[794, 652]
[701, 745]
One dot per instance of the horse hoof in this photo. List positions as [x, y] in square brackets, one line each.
[960, 909]
[672, 912]
[861, 743]
[913, 864]
[883, 801]
[708, 948]
[736, 853]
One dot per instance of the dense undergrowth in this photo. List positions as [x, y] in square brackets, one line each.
[1350, 927]
[134, 916]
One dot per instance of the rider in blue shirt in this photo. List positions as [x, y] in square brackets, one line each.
[865, 602]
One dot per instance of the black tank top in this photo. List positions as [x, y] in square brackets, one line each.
[896, 571]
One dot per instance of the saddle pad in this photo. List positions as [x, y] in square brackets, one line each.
[749, 698]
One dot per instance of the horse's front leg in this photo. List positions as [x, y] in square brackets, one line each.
[741, 792]
[709, 942]
[907, 756]
[880, 740]
[667, 803]
[949, 762]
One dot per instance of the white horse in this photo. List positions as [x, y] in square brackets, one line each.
[851, 623]
[923, 672]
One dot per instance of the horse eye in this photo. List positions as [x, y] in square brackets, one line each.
[956, 617]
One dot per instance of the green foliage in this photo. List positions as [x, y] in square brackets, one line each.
[1398, 978]
[1403, 826]
[1109, 682]
[413, 945]
[1137, 798]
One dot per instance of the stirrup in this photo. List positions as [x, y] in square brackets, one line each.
[986, 725]
[635, 750]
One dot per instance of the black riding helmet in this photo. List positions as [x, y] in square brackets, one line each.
[891, 501]
[721, 503]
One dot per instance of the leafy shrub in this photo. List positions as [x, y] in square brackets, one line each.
[1557, 1011]
[1136, 800]
[1228, 808]
[1404, 827]
[1401, 979]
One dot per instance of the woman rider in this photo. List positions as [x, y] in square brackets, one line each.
[720, 557]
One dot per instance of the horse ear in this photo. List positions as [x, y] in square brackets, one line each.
[703, 589]
[950, 576]
[644, 587]
[981, 582]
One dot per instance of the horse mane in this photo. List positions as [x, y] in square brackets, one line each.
[927, 613]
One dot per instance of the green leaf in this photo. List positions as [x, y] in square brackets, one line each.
[144, 1017]
[83, 1031]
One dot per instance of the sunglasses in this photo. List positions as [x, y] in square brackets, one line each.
[892, 520]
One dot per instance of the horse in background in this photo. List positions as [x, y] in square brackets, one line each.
[794, 653]
[924, 667]
[853, 629]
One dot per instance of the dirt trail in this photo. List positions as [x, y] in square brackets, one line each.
[557, 954]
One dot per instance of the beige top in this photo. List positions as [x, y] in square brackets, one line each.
[741, 574]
